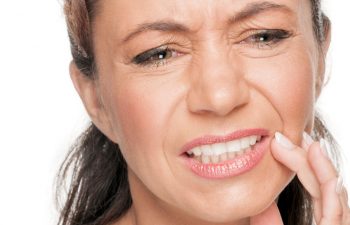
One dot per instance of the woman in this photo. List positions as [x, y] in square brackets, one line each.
[201, 113]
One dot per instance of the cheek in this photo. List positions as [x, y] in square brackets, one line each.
[288, 83]
[141, 112]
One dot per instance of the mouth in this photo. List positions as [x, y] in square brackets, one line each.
[226, 156]
[220, 152]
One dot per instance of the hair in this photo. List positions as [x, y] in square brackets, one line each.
[95, 172]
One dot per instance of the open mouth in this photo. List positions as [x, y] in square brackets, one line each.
[224, 151]
[216, 157]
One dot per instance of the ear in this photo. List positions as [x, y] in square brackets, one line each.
[322, 57]
[88, 92]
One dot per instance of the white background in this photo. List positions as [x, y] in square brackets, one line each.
[40, 113]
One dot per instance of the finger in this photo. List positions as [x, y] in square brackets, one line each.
[270, 216]
[322, 168]
[345, 205]
[332, 211]
[307, 141]
[345, 197]
[321, 163]
[295, 158]
[335, 207]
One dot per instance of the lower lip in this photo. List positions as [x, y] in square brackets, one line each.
[232, 167]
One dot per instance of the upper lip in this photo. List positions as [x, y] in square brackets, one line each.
[212, 139]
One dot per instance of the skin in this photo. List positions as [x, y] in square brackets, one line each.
[216, 81]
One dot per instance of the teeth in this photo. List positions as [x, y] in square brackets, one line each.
[218, 148]
[214, 158]
[231, 155]
[252, 140]
[245, 142]
[233, 146]
[223, 157]
[205, 159]
[222, 151]
[206, 150]
[197, 151]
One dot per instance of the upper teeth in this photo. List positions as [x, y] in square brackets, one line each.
[220, 148]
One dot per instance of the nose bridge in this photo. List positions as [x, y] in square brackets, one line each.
[217, 84]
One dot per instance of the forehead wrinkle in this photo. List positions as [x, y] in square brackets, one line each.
[183, 18]
[178, 25]
[255, 8]
[160, 25]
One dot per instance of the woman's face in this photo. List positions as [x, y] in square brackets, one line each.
[179, 74]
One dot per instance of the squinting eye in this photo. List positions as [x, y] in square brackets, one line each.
[266, 38]
[157, 56]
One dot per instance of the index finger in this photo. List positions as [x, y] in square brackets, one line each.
[295, 158]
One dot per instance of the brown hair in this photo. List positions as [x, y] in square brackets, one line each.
[99, 191]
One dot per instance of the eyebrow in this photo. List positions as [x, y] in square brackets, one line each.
[167, 26]
[252, 9]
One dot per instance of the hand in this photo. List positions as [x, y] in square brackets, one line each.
[318, 175]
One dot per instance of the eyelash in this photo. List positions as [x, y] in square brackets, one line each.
[273, 37]
[159, 56]
[154, 57]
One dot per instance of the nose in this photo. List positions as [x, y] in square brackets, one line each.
[217, 85]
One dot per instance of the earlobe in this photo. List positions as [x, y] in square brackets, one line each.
[87, 90]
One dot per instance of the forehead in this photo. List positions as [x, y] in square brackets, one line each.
[123, 16]
[140, 10]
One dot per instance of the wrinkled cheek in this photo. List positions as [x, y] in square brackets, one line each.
[294, 97]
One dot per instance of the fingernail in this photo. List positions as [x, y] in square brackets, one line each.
[284, 141]
[339, 187]
[313, 220]
[324, 147]
[307, 138]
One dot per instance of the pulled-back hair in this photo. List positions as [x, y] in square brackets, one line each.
[95, 170]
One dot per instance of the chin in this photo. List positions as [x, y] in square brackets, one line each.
[229, 213]
[239, 198]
